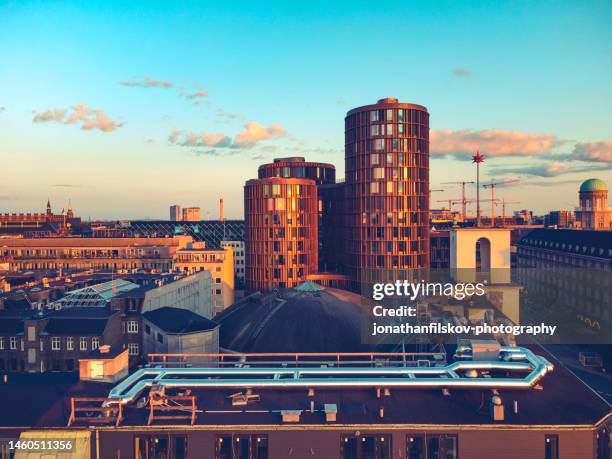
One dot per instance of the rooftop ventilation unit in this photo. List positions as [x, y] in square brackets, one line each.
[497, 408]
[523, 373]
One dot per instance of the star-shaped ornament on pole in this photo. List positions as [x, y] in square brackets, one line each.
[477, 159]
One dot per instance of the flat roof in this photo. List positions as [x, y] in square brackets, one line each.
[177, 320]
[41, 401]
[387, 102]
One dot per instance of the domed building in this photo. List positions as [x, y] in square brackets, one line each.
[307, 318]
[593, 212]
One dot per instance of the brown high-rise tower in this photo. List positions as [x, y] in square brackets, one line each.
[281, 211]
[386, 193]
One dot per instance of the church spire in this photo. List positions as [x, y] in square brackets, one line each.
[49, 207]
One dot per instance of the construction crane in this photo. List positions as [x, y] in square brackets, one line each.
[492, 185]
[451, 202]
[463, 200]
[433, 191]
[504, 203]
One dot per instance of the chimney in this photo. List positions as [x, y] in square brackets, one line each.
[291, 415]
[221, 217]
[331, 412]
[497, 408]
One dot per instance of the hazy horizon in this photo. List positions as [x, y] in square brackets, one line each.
[127, 109]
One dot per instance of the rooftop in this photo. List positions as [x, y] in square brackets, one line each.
[97, 295]
[308, 318]
[593, 184]
[387, 102]
[177, 320]
[83, 321]
[585, 242]
[563, 400]
[210, 231]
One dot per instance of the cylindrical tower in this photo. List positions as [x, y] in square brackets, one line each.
[593, 212]
[387, 187]
[298, 167]
[324, 175]
[280, 232]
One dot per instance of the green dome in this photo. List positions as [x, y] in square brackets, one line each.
[593, 185]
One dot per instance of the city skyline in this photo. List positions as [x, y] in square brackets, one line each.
[102, 107]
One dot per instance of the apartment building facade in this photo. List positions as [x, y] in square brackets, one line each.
[220, 264]
[102, 254]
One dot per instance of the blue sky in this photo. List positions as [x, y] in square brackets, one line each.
[180, 102]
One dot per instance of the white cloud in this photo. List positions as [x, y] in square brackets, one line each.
[490, 142]
[593, 151]
[193, 139]
[251, 135]
[57, 114]
[463, 72]
[147, 83]
[255, 132]
[80, 114]
[196, 95]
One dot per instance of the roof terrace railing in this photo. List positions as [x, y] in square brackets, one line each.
[301, 359]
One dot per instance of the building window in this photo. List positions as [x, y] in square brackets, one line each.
[147, 330]
[1, 343]
[83, 344]
[603, 444]
[132, 326]
[70, 343]
[241, 447]
[552, 447]
[13, 343]
[218, 292]
[133, 349]
[160, 337]
[168, 447]
[218, 280]
[442, 446]
[371, 446]
[415, 447]
[95, 343]
[55, 343]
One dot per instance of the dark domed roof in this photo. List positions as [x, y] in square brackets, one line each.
[308, 318]
[593, 185]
